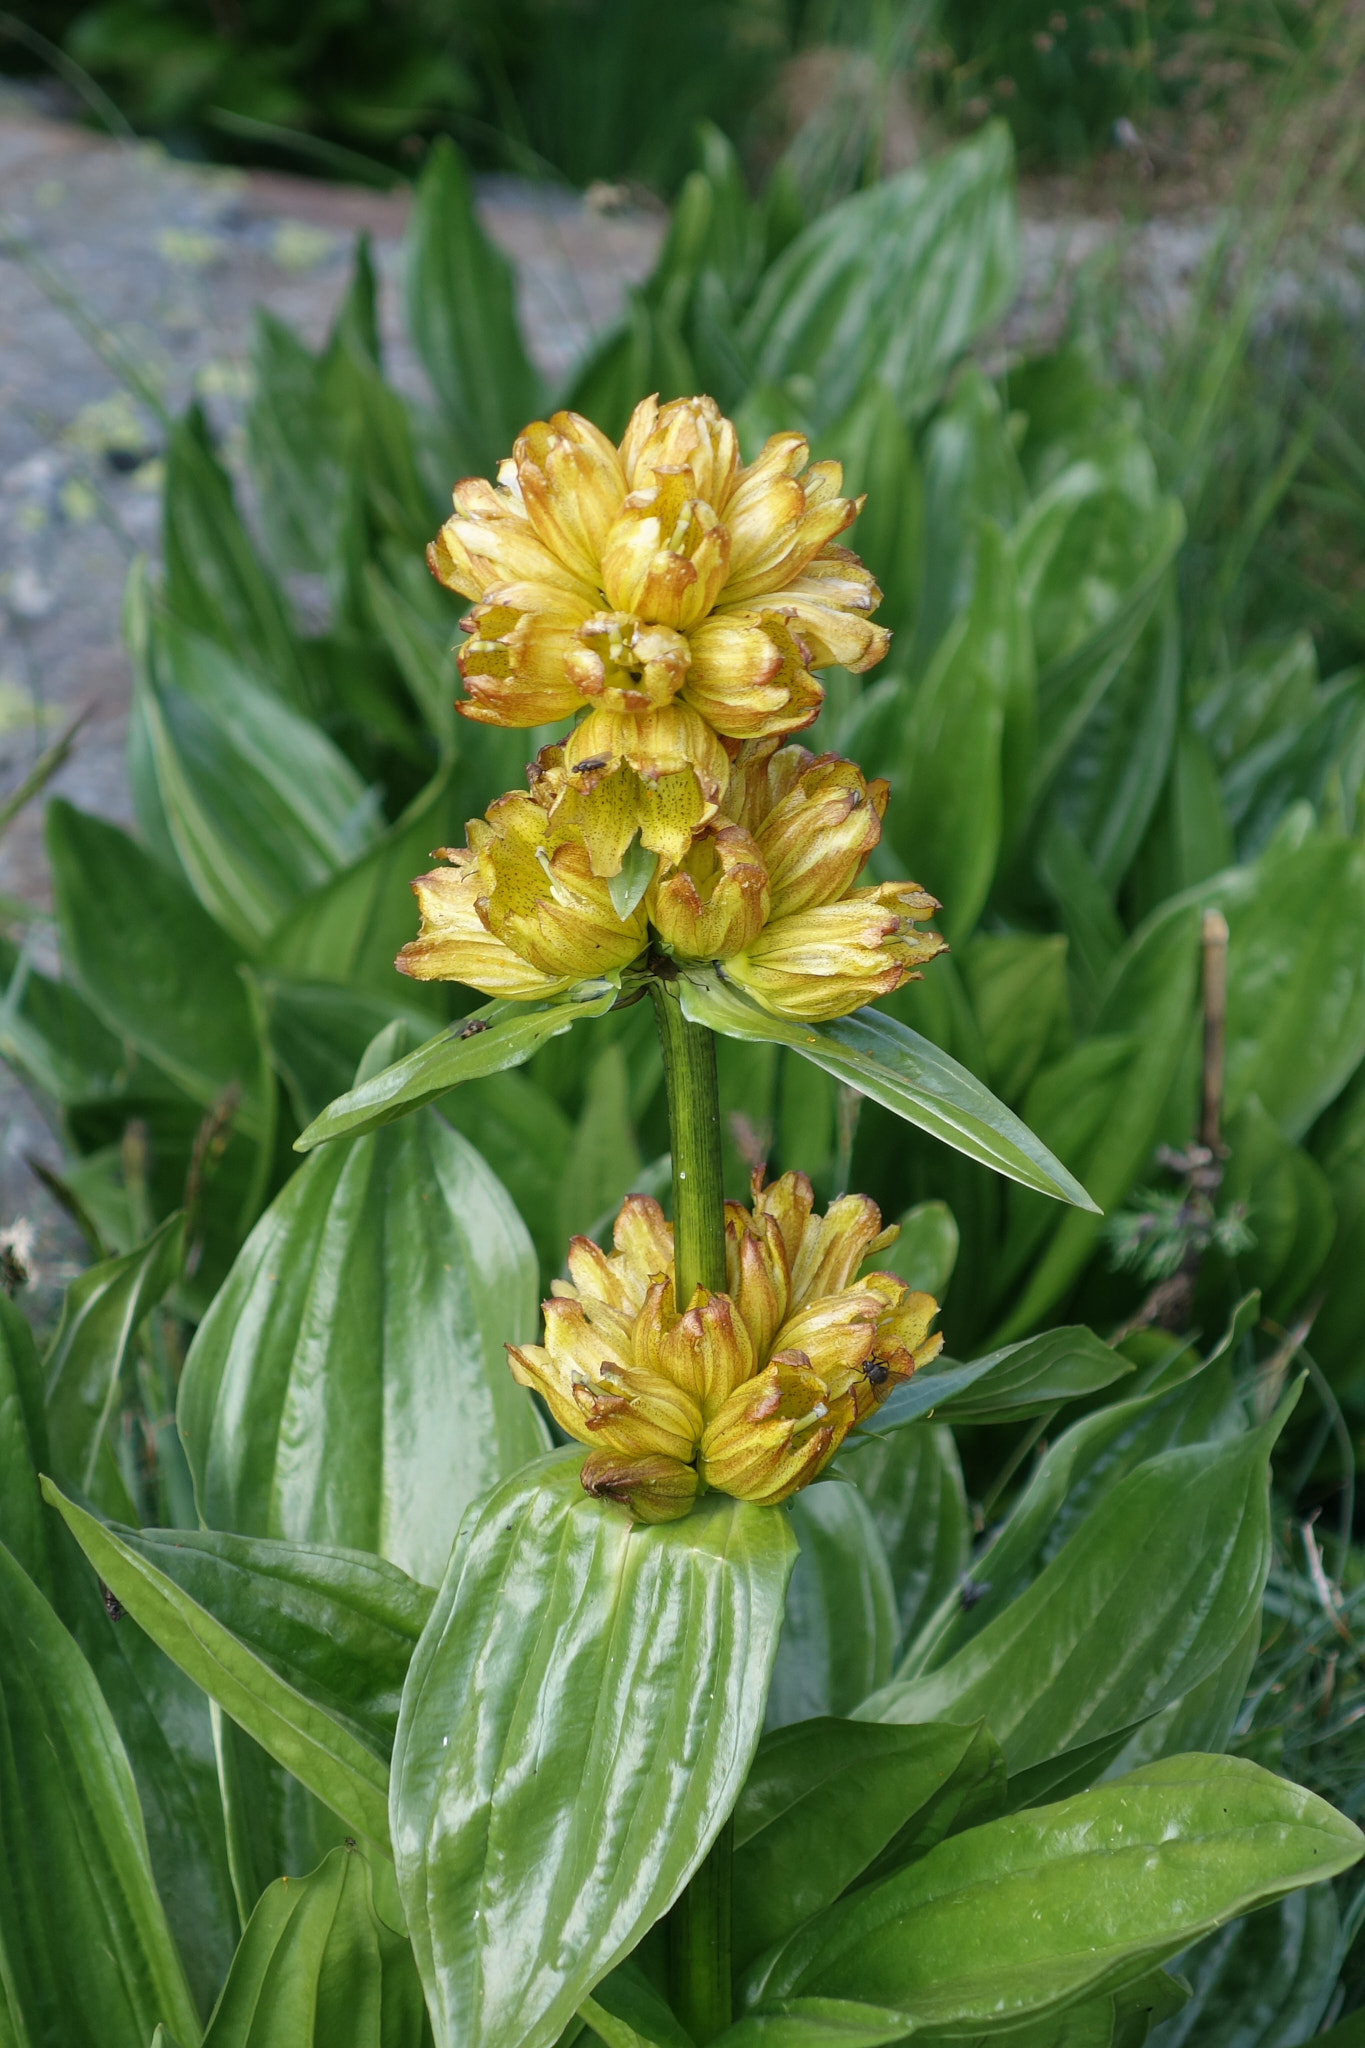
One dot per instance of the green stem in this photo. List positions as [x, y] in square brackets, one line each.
[689, 1052]
[699, 1924]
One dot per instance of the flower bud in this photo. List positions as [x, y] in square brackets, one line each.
[823, 963]
[667, 554]
[654, 1489]
[453, 943]
[815, 841]
[717, 901]
[775, 1433]
[708, 1352]
[687, 433]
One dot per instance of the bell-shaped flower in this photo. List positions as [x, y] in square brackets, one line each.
[716, 902]
[660, 573]
[751, 1391]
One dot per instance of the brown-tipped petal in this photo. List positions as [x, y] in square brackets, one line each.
[750, 675]
[666, 556]
[824, 963]
[717, 901]
[834, 1247]
[789, 1202]
[514, 664]
[757, 1275]
[816, 839]
[774, 1434]
[653, 1489]
[709, 1351]
[771, 550]
[836, 1332]
[643, 1236]
[626, 665]
[452, 943]
[829, 634]
[572, 485]
[691, 434]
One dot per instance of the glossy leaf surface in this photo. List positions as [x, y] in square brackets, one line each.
[830, 1802]
[1040, 1910]
[903, 1071]
[895, 281]
[329, 1751]
[127, 926]
[507, 1035]
[349, 1383]
[573, 1665]
[1021, 1379]
[101, 1312]
[911, 1480]
[85, 1953]
[839, 1632]
[318, 1968]
[1148, 1596]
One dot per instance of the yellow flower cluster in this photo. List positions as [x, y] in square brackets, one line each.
[681, 598]
[768, 886]
[750, 1392]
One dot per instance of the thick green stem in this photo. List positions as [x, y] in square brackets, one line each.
[699, 1924]
[694, 1127]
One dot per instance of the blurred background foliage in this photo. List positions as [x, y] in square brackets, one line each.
[592, 90]
[1127, 688]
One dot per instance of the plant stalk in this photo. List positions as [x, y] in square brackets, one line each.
[699, 1923]
[689, 1052]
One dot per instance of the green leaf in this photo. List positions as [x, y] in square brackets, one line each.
[627, 886]
[155, 967]
[1022, 1379]
[102, 1311]
[626, 2011]
[1101, 1107]
[52, 1037]
[1017, 985]
[23, 1445]
[1289, 1207]
[503, 1035]
[85, 1953]
[327, 1751]
[573, 1664]
[829, 1802]
[349, 929]
[1075, 1472]
[815, 2023]
[896, 1067]
[1150, 1594]
[462, 317]
[911, 1481]
[924, 1254]
[349, 1384]
[215, 581]
[839, 1632]
[260, 805]
[318, 1968]
[1045, 1909]
[949, 773]
[892, 283]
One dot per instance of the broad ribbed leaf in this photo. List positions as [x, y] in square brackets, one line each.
[1041, 1910]
[577, 1723]
[349, 1384]
[893, 283]
[911, 1480]
[86, 1958]
[260, 805]
[23, 1441]
[275, 1685]
[1022, 1379]
[839, 1633]
[626, 2011]
[156, 968]
[497, 1036]
[101, 1312]
[318, 1968]
[1148, 1597]
[462, 316]
[898, 1068]
[828, 1802]
[1262, 1982]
